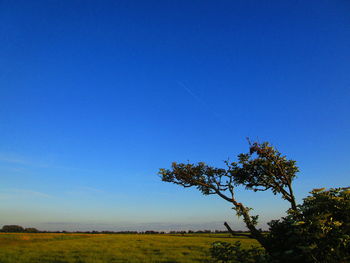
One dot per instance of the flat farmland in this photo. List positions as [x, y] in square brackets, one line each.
[98, 248]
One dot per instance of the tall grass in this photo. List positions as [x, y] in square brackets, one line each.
[102, 248]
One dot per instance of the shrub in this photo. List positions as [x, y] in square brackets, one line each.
[226, 253]
[318, 231]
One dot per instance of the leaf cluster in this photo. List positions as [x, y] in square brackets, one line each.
[205, 178]
[319, 231]
[229, 253]
[262, 168]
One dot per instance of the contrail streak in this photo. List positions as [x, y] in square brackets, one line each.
[203, 102]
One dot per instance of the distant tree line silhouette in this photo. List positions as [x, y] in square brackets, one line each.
[20, 229]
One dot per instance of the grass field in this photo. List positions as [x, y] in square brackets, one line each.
[98, 248]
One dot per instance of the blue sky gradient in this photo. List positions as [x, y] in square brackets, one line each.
[95, 97]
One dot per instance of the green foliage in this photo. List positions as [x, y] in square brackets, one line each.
[12, 228]
[18, 229]
[201, 175]
[262, 168]
[265, 168]
[230, 253]
[318, 231]
[31, 230]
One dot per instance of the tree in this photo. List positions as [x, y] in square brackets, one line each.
[316, 231]
[31, 230]
[262, 168]
[12, 228]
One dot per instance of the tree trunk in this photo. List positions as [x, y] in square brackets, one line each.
[254, 232]
[233, 233]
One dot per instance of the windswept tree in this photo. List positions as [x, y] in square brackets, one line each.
[263, 168]
[318, 230]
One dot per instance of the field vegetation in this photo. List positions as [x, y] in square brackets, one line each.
[98, 248]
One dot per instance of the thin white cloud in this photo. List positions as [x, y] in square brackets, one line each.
[17, 161]
[91, 189]
[12, 159]
[85, 190]
[21, 193]
[32, 193]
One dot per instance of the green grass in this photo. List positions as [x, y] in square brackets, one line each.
[88, 248]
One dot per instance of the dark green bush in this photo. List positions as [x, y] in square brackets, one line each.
[226, 253]
[318, 231]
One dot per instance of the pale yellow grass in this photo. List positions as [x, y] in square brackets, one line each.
[98, 248]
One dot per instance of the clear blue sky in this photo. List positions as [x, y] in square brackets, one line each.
[96, 96]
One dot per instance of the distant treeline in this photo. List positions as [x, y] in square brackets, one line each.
[20, 229]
